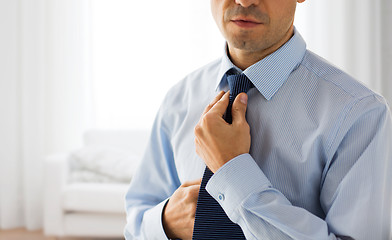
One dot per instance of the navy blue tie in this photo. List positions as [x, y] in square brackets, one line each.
[211, 221]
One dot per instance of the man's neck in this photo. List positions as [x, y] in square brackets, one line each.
[244, 58]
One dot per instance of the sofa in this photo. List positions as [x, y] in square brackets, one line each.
[84, 190]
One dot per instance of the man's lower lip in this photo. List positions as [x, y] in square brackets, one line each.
[245, 24]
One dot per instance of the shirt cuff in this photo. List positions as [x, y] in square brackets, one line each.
[235, 181]
[153, 217]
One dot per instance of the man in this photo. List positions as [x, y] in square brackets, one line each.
[306, 155]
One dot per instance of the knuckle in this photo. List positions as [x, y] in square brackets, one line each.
[188, 194]
[238, 107]
[203, 124]
[245, 126]
[208, 117]
[235, 108]
[197, 130]
[184, 185]
[210, 105]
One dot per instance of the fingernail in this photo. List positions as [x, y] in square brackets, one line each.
[244, 98]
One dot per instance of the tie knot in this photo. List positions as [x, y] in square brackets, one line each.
[238, 83]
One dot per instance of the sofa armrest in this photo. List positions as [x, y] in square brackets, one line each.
[55, 179]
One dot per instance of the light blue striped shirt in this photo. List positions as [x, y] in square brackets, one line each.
[320, 163]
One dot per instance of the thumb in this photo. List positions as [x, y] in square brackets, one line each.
[239, 107]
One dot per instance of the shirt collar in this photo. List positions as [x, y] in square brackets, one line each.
[269, 74]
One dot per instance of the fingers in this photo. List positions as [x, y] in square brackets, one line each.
[194, 192]
[221, 106]
[191, 183]
[216, 99]
[192, 188]
[221, 101]
[238, 110]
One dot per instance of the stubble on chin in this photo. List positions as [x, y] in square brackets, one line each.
[244, 39]
[248, 43]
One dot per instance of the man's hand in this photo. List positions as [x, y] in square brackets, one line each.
[179, 213]
[217, 142]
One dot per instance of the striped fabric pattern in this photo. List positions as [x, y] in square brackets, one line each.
[320, 161]
[238, 83]
[211, 221]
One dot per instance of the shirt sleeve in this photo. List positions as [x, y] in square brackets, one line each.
[153, 183]
[355, 193]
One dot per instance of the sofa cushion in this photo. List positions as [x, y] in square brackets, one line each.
[102, 164]
[95, 197]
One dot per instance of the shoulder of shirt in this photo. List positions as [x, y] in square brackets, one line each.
[363, 99]
[325, 71]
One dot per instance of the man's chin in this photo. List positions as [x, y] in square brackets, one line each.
[246, 45]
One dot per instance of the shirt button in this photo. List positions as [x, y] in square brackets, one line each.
[221, 197]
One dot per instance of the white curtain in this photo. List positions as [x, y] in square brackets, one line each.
[354, 35]
[44, 97]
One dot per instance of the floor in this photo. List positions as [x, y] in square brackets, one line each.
[22, 234]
